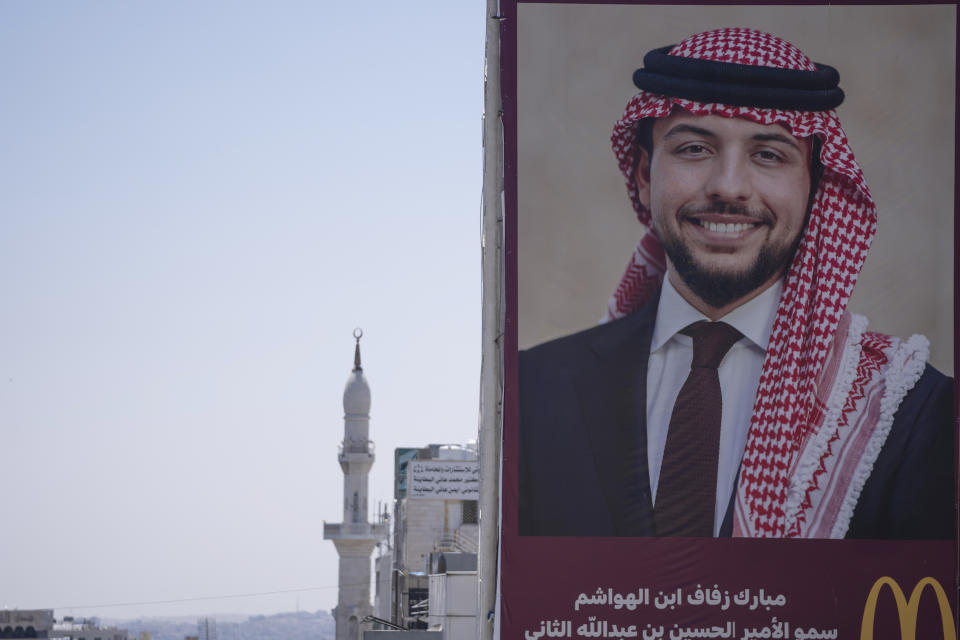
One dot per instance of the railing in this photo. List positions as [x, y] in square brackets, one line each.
[355, 529]
[457, 540]
[465, 543]
[446, 542]
[385, 623]
[361, 446]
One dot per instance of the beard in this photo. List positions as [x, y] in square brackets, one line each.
[719, 288]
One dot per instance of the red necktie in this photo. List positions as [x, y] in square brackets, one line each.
[686, 492]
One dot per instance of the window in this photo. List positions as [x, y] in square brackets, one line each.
[415, 598]
[471, 511]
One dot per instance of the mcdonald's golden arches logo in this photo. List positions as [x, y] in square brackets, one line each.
[907, 609]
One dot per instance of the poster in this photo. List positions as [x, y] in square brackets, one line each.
[570, 230]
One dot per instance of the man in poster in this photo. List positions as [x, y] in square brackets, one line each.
[738, 397]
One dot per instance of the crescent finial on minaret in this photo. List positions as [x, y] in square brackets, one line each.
[357, 333]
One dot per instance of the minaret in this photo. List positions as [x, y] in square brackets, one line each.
[355, 538]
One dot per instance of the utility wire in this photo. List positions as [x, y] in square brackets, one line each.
[201, 598]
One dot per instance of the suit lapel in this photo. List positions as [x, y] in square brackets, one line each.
[613, 403]
[726, 527]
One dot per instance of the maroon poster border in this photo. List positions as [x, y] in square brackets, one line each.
[556, 584]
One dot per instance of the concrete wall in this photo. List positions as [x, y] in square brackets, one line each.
[40, 620]
[453, 604]
[383, 581]
[422, 525]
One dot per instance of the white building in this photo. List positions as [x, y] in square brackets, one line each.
[428, 580]
[40, 623]
[71, 628]
[354, 537]
[26, 623]
[453, 595]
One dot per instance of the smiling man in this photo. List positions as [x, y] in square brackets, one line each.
[737, 395]
[729, 203]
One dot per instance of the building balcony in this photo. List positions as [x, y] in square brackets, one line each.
[356, 446]
[355, 530]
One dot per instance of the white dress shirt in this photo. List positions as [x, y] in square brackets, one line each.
[671, 353]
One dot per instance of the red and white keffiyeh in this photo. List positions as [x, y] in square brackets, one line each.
[828, 389]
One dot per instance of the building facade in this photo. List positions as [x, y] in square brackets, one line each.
[435, 515]
[26, 623]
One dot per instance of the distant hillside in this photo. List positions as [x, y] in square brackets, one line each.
[282, 626]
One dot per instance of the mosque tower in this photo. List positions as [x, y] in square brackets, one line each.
[355, 538]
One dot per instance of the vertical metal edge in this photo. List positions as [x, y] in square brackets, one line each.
[492, 327]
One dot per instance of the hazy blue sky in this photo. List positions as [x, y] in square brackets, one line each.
[199, 201]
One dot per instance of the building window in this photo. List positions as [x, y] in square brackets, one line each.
[415, 599]
[470, 511]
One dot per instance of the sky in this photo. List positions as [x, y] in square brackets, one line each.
[199, 202]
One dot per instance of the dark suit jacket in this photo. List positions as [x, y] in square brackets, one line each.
[583, 454]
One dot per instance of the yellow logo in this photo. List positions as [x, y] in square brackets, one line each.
[907, 609]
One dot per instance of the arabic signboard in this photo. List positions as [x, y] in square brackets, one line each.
[444, 479]
[569, 231]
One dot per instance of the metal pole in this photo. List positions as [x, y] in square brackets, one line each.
[491, 367]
